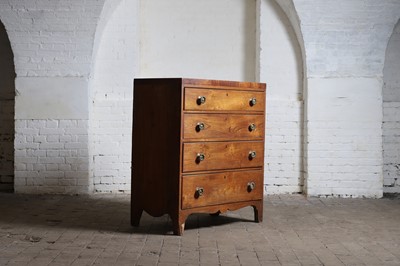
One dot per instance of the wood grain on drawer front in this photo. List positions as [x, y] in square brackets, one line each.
[223, 100]
[222, 155]
[221, 188]
[218, 126]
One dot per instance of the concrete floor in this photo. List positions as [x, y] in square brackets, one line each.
[79, 230]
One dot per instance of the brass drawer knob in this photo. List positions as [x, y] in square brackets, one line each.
[252, 155]
[199, 192]
[252, 127]
[253, 101]
[251, 186]
[201, 100]
[200, 157]
[200, 126]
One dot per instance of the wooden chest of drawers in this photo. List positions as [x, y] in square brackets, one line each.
[198, 147]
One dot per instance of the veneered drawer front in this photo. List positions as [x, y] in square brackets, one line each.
[223, 100]
[223, 126]
[203, 156]
[220, 188]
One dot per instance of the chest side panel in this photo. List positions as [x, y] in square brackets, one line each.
[156, 142]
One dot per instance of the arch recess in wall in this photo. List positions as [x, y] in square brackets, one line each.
[391, 114]
[7, 105]
[111, 95]
[281, 67]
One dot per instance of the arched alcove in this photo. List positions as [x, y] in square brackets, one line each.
[7, 105]
[111, 93]
[391, 114]
[172, 52]
[281, 67]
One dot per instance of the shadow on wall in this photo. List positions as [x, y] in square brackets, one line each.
[249, 36]
[7, 111]
[391, 111]
[281, 66]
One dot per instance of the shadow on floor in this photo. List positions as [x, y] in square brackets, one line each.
[391, 195]
[101, 212]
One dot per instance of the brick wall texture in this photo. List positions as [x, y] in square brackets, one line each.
[324, 131]
[51, 156]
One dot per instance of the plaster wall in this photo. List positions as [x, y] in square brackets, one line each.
[344, 137]
[198, 39]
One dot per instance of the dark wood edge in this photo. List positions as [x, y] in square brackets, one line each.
[211, 83]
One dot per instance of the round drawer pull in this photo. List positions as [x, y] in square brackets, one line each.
[199, 192]
[201, 100]
[251, 186]
[252, 155]
[252, 127]
[200, 157]
[253, 101]
[200, 126]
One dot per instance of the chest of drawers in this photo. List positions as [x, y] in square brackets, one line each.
[198, 147]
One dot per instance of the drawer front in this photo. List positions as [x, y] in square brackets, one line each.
[222, 155]
[213, 189]
[223, 100]
[223, 126]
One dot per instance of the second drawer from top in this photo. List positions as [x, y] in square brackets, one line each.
[223, 126]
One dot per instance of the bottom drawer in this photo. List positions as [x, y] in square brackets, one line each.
[212, 189]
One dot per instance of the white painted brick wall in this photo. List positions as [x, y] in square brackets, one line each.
[51, 38]
[391, 115]
[112, 95]
[52, 43]
[346, 38]
[283, 148]
[51, 156]
[344, 151]
[391, 147]
[344, 41]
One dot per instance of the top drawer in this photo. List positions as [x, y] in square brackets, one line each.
[223, 100]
